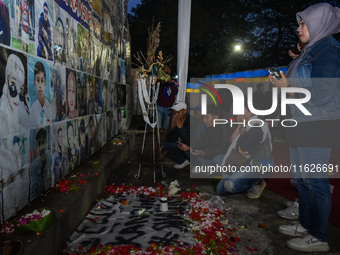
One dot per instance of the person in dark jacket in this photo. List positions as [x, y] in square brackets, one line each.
[210, 147]
[177, 145]
[45, 35]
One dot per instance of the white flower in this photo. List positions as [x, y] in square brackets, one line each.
[45, 212]
[174, 188]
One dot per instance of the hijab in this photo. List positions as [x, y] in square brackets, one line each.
[10, 117]
[322, 20]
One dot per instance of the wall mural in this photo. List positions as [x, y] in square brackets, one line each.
[40, 162]
[23, 25]
[59, 44]
[14, 101]
[84, 145]
[5, 35]
[58, 81]
[44, 33]
[39, 92]
[59, 152]
[14, 173]
[60, 67]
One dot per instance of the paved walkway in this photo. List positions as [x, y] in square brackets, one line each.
[255, 220]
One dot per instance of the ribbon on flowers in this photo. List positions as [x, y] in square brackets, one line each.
[143, 96]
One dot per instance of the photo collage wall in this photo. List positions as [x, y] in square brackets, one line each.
[63, 66]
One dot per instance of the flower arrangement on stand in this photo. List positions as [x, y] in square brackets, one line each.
[152, 64]
[149, 72]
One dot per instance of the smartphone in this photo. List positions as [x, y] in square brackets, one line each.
[275, 72]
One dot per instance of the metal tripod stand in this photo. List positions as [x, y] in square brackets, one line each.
[152, 109]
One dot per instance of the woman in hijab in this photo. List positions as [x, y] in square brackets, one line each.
[316, 69]
[13, 108]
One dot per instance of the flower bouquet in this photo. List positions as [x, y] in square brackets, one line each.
[37, 221]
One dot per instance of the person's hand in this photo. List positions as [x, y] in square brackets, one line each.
[44, 33]
[298, 46]
[176, 121]
[279, 83]
[292, 54]
[183, 147]
[197, 152]
[46, 52]
[242, 129]
[173, 121]
[179, 122]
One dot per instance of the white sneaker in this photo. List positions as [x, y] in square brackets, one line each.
[289, 203]
[290, 213]
[184, 164]
[308, 243]
[292, 230]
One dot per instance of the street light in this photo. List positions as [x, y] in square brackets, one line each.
[237, 47]
[235, 57]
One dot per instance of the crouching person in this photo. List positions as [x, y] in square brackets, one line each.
[177, 146]
[251, 146]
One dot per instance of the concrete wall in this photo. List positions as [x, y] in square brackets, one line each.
[64, 78]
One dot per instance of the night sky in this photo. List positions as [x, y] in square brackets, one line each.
[132, 4]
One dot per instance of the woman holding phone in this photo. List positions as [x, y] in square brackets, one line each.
[316, 69]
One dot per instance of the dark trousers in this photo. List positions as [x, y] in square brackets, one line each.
[176, 154]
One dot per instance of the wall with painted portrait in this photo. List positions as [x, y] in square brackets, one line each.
[59, 71]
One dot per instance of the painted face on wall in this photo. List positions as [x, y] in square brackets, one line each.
[40, 84]
[60, 138]
[45, 13]
[71, 93]
[70, 136]
[97, 91]
[104, 91]
[25, 5]
[83, 138]
[91, 89]
[16, 89]
[92, 128]
[41, 146]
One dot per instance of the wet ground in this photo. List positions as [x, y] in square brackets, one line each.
[256, 220]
